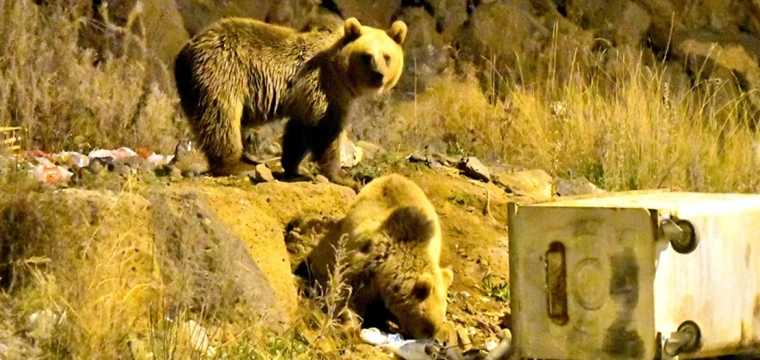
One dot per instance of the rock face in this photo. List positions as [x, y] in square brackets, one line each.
[198, 14]
[377, 13]
[508, 38]
[212, 260]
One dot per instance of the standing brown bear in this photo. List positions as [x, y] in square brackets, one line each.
[242, 72]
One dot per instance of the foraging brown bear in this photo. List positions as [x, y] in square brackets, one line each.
[243, 72]
[392, 252]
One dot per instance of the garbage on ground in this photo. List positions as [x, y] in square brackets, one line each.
[41, 324]
[120, 153]
[51, 173]
[50, 167]
[60, 167]
[406, 349]
[157, 160]
[71, 158]
[195, 334]
[430, 350]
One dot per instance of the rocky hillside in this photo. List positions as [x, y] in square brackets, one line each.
[127, 264]
[712, 39]
[121, 259]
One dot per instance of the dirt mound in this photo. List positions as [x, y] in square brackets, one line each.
[220, 251]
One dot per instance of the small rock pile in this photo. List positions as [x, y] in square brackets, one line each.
[535, 185]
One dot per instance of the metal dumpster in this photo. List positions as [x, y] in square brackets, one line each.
[635, 275]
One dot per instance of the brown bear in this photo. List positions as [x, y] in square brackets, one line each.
[243, 72]
[392, 242]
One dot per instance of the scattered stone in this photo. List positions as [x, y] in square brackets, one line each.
[464, 338]
[321, 179]
[188, 160]
[577, 186]
[263, 174]
[417, 157]
[350, 154]
[97, 165]
[472, 167]
[370, 150]
[371, 13]
[132, 163]
[491, 344]
[447, 336]
[443, 159]
[535, 184]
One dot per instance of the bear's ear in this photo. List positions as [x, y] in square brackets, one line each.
[409, 224]
[423, 287]
[352, 29]
[448, 276]
[397, 32]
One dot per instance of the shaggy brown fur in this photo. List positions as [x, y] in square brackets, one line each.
[392, 253]
[243, 72]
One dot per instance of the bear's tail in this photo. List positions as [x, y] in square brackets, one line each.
[409, 224]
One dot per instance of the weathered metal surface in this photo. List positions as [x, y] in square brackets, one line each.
[578, 283]
[716, 285]
[9, 138]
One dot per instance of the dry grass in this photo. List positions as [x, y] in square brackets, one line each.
[63, 98]
[619, 121]
[116, 288]
[611, 117]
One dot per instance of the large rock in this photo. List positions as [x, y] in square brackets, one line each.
[163, 26]
[723, 59]
[322, 19]
[494, 43]
[450, 16]
[198, 14]
[157, 22]
[628, 23]
[533, 184]
[425, 55]
[298, 14]
[376, 13]
[206, 253]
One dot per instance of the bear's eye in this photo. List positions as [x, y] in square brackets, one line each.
[387, 58]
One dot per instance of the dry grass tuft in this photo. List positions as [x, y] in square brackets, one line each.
[621, 122]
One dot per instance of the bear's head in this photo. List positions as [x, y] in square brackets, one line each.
[418, 297]
[372, 58]
[426, 308]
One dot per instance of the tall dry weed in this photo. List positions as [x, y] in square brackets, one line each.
[617, 118]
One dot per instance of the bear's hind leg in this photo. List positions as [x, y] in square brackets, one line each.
[219, 136]
[325, 148]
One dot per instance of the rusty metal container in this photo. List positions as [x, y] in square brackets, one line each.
[636, 275]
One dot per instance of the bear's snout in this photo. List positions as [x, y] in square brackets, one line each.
[375, 74]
